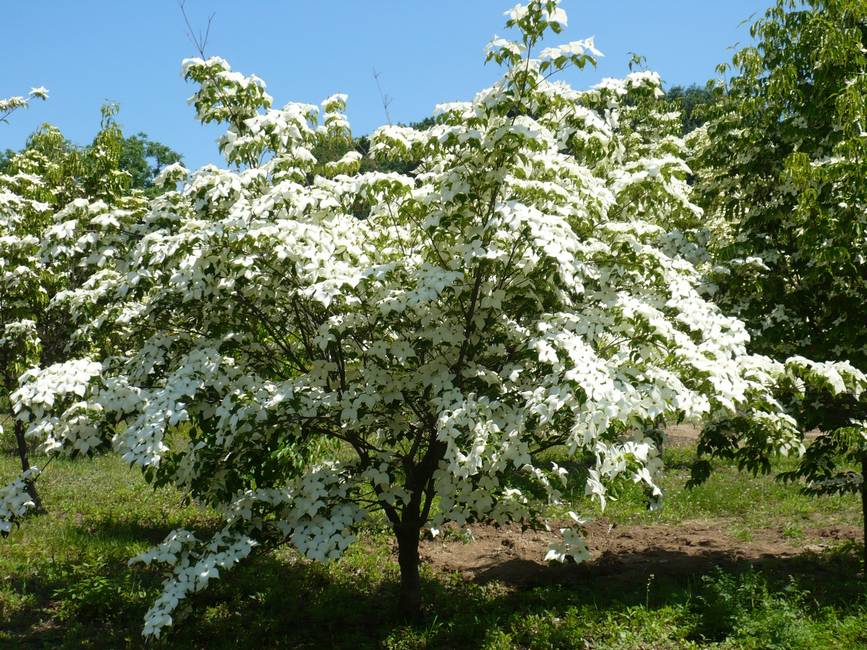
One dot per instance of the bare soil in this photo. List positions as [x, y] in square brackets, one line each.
[682, 435]
[514, 557]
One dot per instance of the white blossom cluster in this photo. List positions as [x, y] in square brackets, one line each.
[9, 105]
[841, 377]
[192, 569]
[15, 501]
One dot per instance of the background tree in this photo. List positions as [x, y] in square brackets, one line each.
[24, 355]
[781, 170]
[139, 157]
[5, 158]
[143, 159]
[692, 101]
[53, 236]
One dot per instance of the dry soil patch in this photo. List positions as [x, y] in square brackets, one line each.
[514, 557]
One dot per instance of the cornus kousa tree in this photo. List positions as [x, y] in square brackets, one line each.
[17, 499]
[62, 217]
[302, 346]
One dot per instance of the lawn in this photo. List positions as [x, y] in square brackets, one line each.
[739, 562]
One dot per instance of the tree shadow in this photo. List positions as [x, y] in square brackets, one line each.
[307, 605]
[126, 531]
[833, 576]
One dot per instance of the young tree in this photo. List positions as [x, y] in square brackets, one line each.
[61, 209]
[781, 172]
[22, 357]
[301, 345]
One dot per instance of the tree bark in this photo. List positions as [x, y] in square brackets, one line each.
[864, 505]
[409, 599]
[25, 464]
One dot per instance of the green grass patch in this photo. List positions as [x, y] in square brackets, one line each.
[65, 582]
[753, 502]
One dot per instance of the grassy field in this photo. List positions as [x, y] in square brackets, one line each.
[779, 570]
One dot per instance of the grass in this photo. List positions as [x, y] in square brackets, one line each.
[65, 583]
[754, 502]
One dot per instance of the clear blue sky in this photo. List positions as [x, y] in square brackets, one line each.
[426, 52]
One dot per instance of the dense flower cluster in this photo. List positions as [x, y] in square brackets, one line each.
[193, 565]
[15, 500]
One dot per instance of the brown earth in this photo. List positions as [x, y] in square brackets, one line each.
[680, 435]
[514, 557]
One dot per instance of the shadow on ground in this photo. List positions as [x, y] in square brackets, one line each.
[275, 601]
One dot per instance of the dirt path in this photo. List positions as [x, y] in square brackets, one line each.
[509, 555]
[685, 434]
[680, 435]
[514, 557]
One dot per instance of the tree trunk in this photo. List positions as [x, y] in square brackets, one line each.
[25, 464]
[410, 583]
[864, 505]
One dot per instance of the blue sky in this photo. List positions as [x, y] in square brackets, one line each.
[426, 52]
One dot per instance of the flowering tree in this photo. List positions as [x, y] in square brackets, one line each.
[780, 171]
[7, 107]
[13, 366]
[61, 211]
[302, 344]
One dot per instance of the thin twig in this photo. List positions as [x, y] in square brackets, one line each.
[386, 100]
[200, 42]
